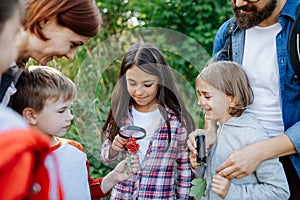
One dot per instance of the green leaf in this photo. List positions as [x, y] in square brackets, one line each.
[198, 189]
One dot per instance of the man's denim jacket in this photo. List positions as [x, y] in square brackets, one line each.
[289, 83]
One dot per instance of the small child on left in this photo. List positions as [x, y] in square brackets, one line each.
[44, 98]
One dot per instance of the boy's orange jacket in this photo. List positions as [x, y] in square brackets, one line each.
[23, 174]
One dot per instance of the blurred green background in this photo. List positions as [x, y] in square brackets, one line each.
[183, 30]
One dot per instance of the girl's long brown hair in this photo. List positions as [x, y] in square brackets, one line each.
[149, 59]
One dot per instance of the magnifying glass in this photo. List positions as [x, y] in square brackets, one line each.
[132, 131]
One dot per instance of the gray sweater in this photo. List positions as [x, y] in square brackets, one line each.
[268, 182]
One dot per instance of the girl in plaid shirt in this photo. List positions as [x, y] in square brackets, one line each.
[146, 96]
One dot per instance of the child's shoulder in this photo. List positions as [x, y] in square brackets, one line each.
[73, 143]
[245, 120]
[247, 127]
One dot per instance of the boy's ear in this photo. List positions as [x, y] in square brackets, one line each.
[29, 115]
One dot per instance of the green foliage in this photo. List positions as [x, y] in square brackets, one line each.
[198, 19]
[198, 189]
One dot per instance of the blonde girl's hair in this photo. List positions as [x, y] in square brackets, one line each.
[231, 79]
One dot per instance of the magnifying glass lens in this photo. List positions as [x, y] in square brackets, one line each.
[132, 132]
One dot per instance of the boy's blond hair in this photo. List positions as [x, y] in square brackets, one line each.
[40, 83]
[231, 79]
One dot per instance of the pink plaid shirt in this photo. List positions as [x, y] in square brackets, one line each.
[166, 174]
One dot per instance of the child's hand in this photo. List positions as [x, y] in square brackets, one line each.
[193, 161]
[191, 142]
[220, 185]
[124, 169]
[118, 143]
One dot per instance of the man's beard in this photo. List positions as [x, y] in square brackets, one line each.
[246, 21]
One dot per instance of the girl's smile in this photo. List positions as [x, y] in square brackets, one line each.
[215, 103]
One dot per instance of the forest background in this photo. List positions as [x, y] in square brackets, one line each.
[183, 30]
